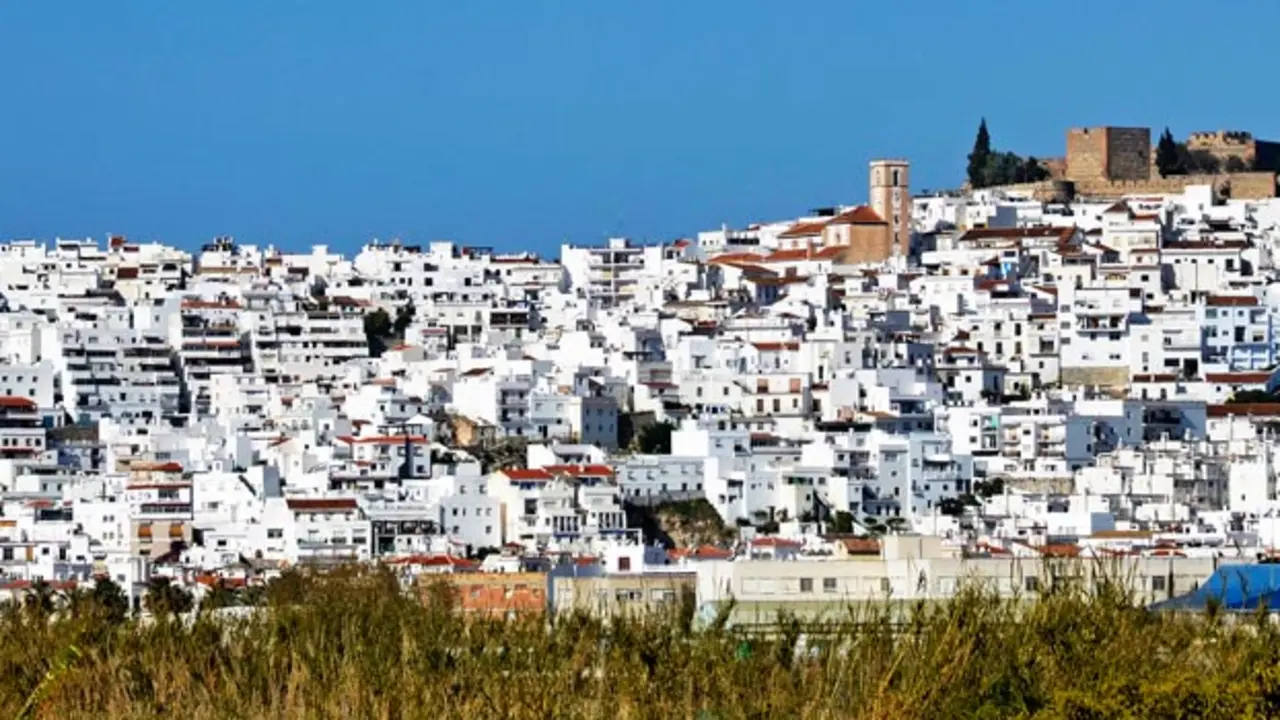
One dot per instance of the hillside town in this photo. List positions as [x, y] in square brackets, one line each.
[878, 398]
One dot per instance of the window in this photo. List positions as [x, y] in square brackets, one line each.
[1031, 583]
[1157, 583]
[828, 585]
[806, 585]
[885, 586]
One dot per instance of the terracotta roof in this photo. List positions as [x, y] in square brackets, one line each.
[1059, 550]
[1244, 410]
[803, 229]
[127, 273]
[526, 474]
[1013, 233]
[477, 372]
[737, 258]
[777, 542]
[859, 546]
[790, 255]
[1231, 301]
[775, 346]
[580, 470]
[1207, 245]
[168, 467]
[321, 505]
[13, 402]
[861, 215]
[701, 552]
[1238, 378]
[383, 440]
[456, 563]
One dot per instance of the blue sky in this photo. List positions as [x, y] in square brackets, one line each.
[524, 124]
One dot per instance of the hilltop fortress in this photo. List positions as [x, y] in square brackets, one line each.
[1106, 162]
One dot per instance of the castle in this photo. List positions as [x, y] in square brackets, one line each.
[1107, 161]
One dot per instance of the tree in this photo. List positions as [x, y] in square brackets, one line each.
[1251, 396]
[988, 488]
[106, 598]
[980, 158]
[404, 318]
[842, 522]
[221, 596]
[873, 525]
[166, 599]
[1198, 162]
[951, 506]
[895, 524]
[42, 598]
[377, 328]
[655, 439]
[1168, 158]
[1033, 171]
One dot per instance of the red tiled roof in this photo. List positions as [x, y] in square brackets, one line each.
[526, 474]
[1238, 378]
[1013, 233]
[775, 346]
[776, 542]
[477, 372]
[1244, 410]
[1207, 245]
[580, 470]
[321, 505]
[701, 552]
[13, 402]
[383, 439]
[1231, 301]
[861, 215]
[790, 255]
[803, 229]
[738, 257]
[436, 561]
[168, 467]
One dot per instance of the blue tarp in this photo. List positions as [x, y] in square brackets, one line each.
[1232, 587]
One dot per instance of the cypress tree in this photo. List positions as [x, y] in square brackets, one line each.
[980, 158]
[1168, 159]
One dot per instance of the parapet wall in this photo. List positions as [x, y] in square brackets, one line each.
[1241, 186]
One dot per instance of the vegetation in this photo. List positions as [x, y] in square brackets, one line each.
[381, 331]
[654, 438]
[502, 454]
[988, 168]
[359, 647]
[1252, 396]
[1175, 158]
[377, 331]
[684, 523]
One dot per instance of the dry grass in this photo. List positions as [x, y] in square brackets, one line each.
[358, 647]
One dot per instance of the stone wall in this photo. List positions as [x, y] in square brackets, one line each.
[1086, 153]
[1117, 376]
[1128, 153]
[1242, 186]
